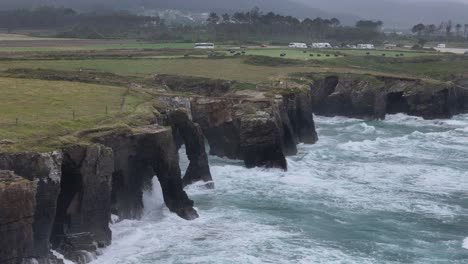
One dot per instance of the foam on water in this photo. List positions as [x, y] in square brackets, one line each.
[389, 191]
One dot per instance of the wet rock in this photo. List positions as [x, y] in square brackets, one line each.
[17, 206]
[369, 97]
[84, 203]
[192, 136]
[45, 169]
[138, 156]
[261, 131]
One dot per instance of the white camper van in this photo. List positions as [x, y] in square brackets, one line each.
[441, 46]
[297, 45]
[204, 46]
[322, 45]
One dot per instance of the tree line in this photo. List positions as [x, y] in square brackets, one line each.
[256, 25]
[66, 22]
[445, 31]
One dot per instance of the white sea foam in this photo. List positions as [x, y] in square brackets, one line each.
[365, 193]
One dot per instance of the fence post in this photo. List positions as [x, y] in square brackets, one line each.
[16, 121]
[107, 110]
[73, 114]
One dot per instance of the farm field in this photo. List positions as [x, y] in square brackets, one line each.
[45, 111]
[325, 54]
[46, 114]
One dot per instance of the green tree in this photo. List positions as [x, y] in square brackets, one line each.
[418, 29]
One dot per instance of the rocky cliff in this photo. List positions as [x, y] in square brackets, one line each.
[138, 157]
[17, 207]
[373, 97]
[79, 185]
[45, 169]
[81, 224]
[261, 130]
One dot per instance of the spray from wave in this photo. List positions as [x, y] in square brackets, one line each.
[389, 191]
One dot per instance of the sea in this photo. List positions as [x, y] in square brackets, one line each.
[392, 191]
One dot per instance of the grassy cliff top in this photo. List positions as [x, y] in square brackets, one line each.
[43, 115]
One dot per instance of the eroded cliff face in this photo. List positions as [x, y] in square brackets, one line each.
[45, 169]
[17, 207]
[81, 223]
[191, 134]
[260, 130]
[138, 157]
[78, 186]
[374, 97]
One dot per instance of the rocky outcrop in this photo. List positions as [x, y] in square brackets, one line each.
[17, 206]
[138, 156]
[259, 130]
[45, 169]
[299, 110]
[83, 209]
[191, 135]
[374, 97]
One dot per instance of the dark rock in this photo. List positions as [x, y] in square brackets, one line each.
[138, 156]
[261, 131]
[44, 168]
[17, 206]
[191, 135]
[299, 109]
[219, 127]
[366, 97]
[84, 202]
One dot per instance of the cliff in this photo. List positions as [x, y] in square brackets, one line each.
[78, 187]
[373, 97]
[138, 157]
[259, 129]
[17, 205]
[44, 168]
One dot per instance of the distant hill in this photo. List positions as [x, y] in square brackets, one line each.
[285, 7]
[398, 13]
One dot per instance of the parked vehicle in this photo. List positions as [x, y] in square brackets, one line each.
[322, 45]
[441, 46]
[365, 46]
[298, 45]
[204, 46]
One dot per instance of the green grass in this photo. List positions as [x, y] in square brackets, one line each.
[230, 69]
[327, 54]
[133, 46]
[40, 115]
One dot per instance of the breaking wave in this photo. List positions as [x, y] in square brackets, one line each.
[391, 191]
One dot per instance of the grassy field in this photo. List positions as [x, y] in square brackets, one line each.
[321, 54]
[40, 115]
[428, 67]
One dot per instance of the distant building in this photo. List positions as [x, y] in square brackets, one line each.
[441, 46]
[322, 45]
[298, 45]
[390, 46]
[365, 46]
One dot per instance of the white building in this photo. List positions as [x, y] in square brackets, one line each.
[322, 45]
[365, 46]
[441, 46]
[298, 45]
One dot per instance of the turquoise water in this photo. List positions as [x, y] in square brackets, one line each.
[391, 191]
